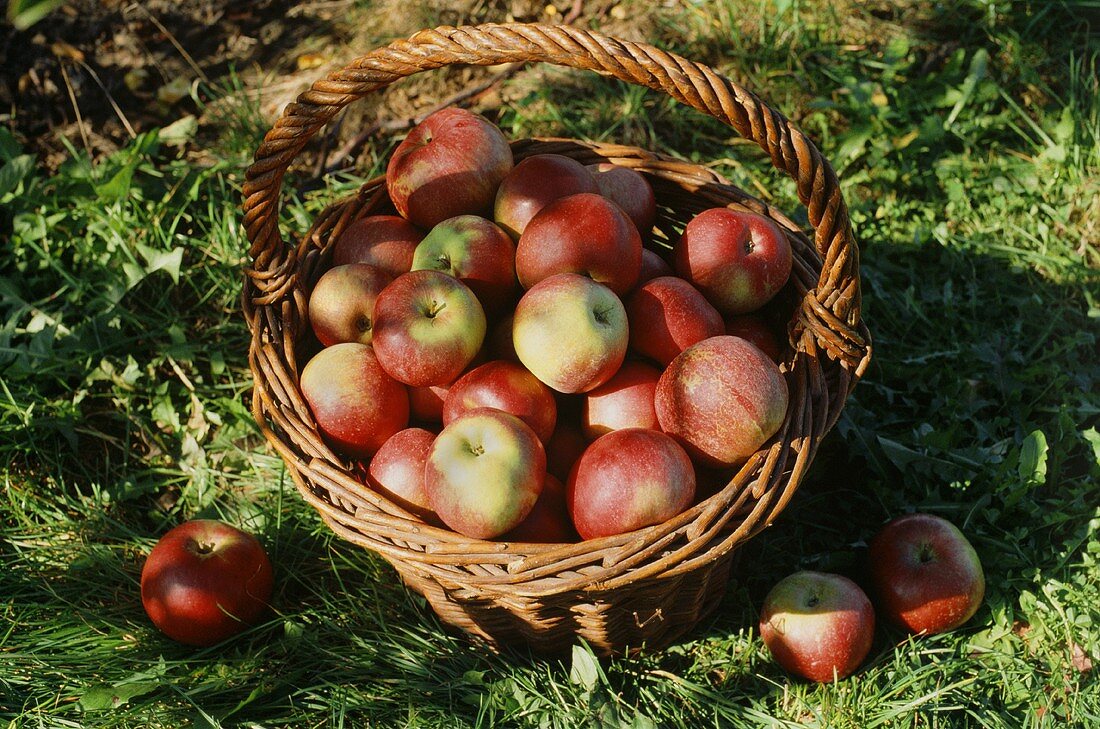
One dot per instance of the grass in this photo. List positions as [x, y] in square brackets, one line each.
[967, 134]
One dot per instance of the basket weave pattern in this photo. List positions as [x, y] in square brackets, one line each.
[618, 593]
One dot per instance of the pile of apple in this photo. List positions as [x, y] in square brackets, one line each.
[506, 356]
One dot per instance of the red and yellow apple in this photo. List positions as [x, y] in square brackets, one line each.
[534, 182]
[397, 470]
[667, 315]
[476, 252]
[624, 401]
[506, 386]
[341, 305]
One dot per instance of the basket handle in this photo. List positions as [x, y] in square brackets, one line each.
[830, 313]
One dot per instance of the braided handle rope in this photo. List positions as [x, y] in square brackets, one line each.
[829, 314]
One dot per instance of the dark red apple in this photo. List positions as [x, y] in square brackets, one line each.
[624, 401]
[629, 479]
[754, 328]
[341, 306]
[426, 403]
[357, 405]
[629, 190]
[205, 581]
[506, 386]
[564, 449]
[498, 343]
[534, 182]
[449, 164]
[477, 253]
[722, 399]
[739, 260]
[386, 242]
[817, 625]
[484, 473]
[548, 522]
[586, 234]
[926, 575]
[428, 326]
[653, 266]
[397, 470]
[667, 315]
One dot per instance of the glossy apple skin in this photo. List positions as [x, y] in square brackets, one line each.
[586, 234]
[564, 449]
[754, 328]
[817, 625]
[722, 399]
[570, 332]
[205, 581]
[629, 190]
[341, 305]
[428, 326]
[484, 473]
[548, 522]
[629, 479]
[926, 575]
[653, 266]
[506, 386]
[357, 405]
[667, 315]
[450, 164]
[738, 260]
[533, 183]
[386, 242]
[476, 252]
[624, 401]
[397, 470]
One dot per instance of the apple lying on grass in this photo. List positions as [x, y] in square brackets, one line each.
[205, 581]
[817, 625]
[449, 164]
[570, 332]
[428, 326]
[356, 403]
[927, 577]
[484, 473]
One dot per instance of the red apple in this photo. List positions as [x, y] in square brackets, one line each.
[653, 266]
[426, 403]
[428, 326]
[498, 343]
[484, 473]
[926, 575]
[570, 332]
[534, 182]
[629, 479]
[449, 164]
[548, 522]
[477, 253]
[723, 399]
[624, 401]
[667, 315]
[817, 625]
[586, 234]
[205, 581]
[739, 260]
[397, 470]
[357, 405]
[341, 306]
[506, 386]
[629, 190]
[754, 328]
[564, 449]
[386, 242]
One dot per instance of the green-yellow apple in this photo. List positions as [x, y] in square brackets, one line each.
[341, 305]
[586, 234]
[384, 241]
[428, 326]
[449, 164]
[817, 625]
[739, 260]
[356, 404]
[667, 315]
[722, 398]
[484, 473]
[570, 332]
[534, 182]
[629, 479]
[476, 252]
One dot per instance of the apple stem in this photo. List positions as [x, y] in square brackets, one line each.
[434, 308]
[813, 601]
[204, 547]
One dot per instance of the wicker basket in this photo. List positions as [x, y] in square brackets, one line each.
[638, 590]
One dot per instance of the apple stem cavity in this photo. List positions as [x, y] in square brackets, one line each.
[434, 308]
[926, 554]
